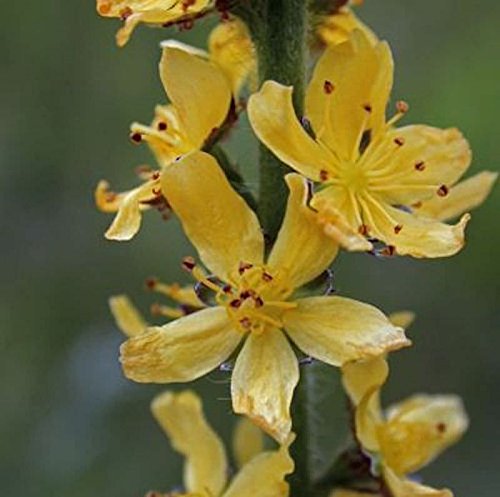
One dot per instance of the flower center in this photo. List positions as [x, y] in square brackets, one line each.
[254, 299]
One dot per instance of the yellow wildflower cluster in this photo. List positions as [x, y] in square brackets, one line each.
[360, 184]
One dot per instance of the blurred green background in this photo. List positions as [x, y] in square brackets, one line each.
[70, 424]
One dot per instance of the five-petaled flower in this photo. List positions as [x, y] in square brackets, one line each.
[372, 176]
[408, 437]
[255, 300]
[155, 12]
[206, 466]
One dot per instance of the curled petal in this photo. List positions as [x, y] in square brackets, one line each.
[198, 90]
[302, 250]
[463, 197]
[216, 219]
[265, 376]
[403, 319]
[264, 475]
[248, 441]
[417, 236]
[181, 417]
[274, 121]
[128, 318]
[419, 429]
[337, 330]
[403, 487]
[181, 350]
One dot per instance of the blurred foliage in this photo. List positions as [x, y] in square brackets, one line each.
[70, 424]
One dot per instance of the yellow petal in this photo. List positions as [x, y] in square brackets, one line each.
[337, 330]
[368, 420]
[181, 350]
[402, 487]
[216, 219]
[127, 317]
[360, 377]
[403, 319]
[352, 493]
[198, 90]
[231, 48]
[462, 197]
[417, 236]
[263, 476]
[419, 429]
[148, 11]
[127, 221]
[336, 28]
[181, 417]
[336, 213]
[359, 76]
[264, 378]
[417, 170]
[248, 441]
[274, 121]
[302, 250]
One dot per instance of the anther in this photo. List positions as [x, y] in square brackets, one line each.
[441, 427]
[246, 294]
[402, 106]
[162, 126]
[363, 230]
[136, 137]
[151, 283]
[245, 322]
[155, 175]
[328, 87]
[258, 301]
[323, 175]
[244, 266]
[267, 277]
[420, 165]
[417, 205]
[368, 108]
[388, 251]
[126, 13]
[235, 304]
[398, 228]
[188, 263]
[226, 288]
[443, 191]
[399, 141]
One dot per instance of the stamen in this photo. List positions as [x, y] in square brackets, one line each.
[420, 166]
[188, 263]
[244, 266]
[388, 251]
[328, 87]
[126, 13]
[398, 228]
[267, 277]
[399, 141]
[136, 137]
[368, 108]
[162, 126]
[402, 107]
[163, 310]
[323, 175]
[443, 190]
[200, 276]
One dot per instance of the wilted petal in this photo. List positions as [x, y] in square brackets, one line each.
[263, 476]
[337, 330]
[181, 350]
[181, 417]
[419, 429]
[264, 378]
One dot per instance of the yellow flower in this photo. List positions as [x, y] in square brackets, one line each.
[155, 12]
[409, 436]
[205, 471]
[372, 176]
[200, 97]
[255, 300]
[336, 28]
[130, 320]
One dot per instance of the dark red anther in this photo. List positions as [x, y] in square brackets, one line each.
[235, 304]
[363, 230]
[136, 137]
[368, 108]
[323, 175]
[155, 175]
[398, 228]
[162, 126]
[399, 141]
[151, 283]
[258, 301]
[188, 263]
[245, 295]
[226, 288]
[244, 266]
[126, 13]
[267, 277]
[443, 190]
[388, 251]
[328, 87]
[441, 427]
[420, 165]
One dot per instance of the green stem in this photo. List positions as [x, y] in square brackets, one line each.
[279, 31]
